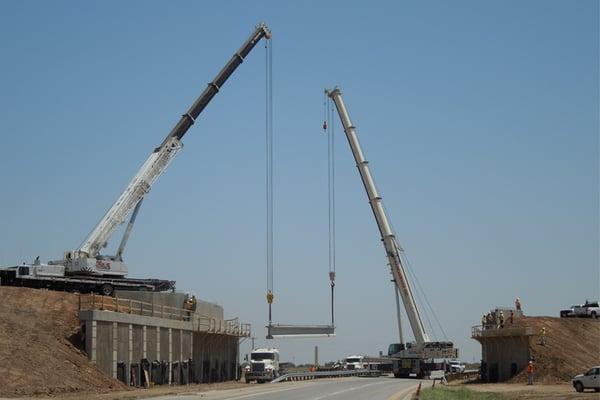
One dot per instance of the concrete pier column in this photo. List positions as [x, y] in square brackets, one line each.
[144, 342]
[91, 337]
[158, 344]
[170, 355]
[115, 347]
[130, 348]
[192, 345]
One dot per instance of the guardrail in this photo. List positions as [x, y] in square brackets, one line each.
[200, 323]
[305, 376]
[479, 331]
[462, 376]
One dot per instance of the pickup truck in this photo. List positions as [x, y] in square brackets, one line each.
[589, 380]
[590, 310]
[569, 312]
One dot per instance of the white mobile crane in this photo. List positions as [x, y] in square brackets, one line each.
[422, 356]
[85, 269]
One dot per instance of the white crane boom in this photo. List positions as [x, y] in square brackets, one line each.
[388, 238]
[141, 183]
[87, 259]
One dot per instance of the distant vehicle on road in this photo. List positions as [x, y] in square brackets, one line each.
[264, 365]
[355, 362]
[455, 366]
[589, 380]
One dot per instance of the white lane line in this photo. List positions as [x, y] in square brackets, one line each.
[348, 390]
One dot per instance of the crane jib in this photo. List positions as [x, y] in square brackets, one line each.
[188, 119]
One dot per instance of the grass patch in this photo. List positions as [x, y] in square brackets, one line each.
[444, 393]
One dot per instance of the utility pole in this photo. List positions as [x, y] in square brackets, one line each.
[316, 356]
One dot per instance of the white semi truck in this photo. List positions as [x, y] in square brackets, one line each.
[85, 269]
[264, 365]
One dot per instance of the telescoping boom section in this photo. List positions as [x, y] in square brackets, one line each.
[411, 359]
[388, 238]
[87, 259]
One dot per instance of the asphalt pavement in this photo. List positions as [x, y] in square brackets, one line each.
[354, 388]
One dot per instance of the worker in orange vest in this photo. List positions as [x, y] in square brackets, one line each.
[530, 371]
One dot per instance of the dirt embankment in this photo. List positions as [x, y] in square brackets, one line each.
[572, 347]
[38, 329]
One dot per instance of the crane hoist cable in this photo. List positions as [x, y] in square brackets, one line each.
[269, 170]
[328, 127]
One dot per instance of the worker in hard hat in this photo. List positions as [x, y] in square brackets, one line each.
[501, 319]
[530, 371]
[543, 336]
[518, 305]
[483, 322]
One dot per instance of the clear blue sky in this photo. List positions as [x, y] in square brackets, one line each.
[480, 120]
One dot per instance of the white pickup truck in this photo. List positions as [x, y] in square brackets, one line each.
[589, 310]
[589, 380]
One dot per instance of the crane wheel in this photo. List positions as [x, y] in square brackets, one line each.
[107, 289]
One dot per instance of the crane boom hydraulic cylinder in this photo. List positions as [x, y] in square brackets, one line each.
[388, 238]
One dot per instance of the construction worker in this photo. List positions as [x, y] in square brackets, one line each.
[483, 322]
[518, 304]
[511, 318]
[543, 336]
[530, 371]
[501, 319]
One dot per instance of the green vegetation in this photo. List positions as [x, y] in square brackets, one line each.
[444, 393]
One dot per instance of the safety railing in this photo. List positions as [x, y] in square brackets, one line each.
[94, 301]
[201, 323]
[479, 331]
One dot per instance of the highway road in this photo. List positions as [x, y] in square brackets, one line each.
[383, 388]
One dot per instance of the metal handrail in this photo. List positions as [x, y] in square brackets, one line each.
[94, 301]
[479, 331]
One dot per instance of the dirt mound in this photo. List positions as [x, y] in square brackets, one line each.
[572, 347]
[38, 329]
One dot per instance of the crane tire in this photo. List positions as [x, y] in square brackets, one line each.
[107, 289]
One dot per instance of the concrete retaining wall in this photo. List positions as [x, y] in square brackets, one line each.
[113, 338]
